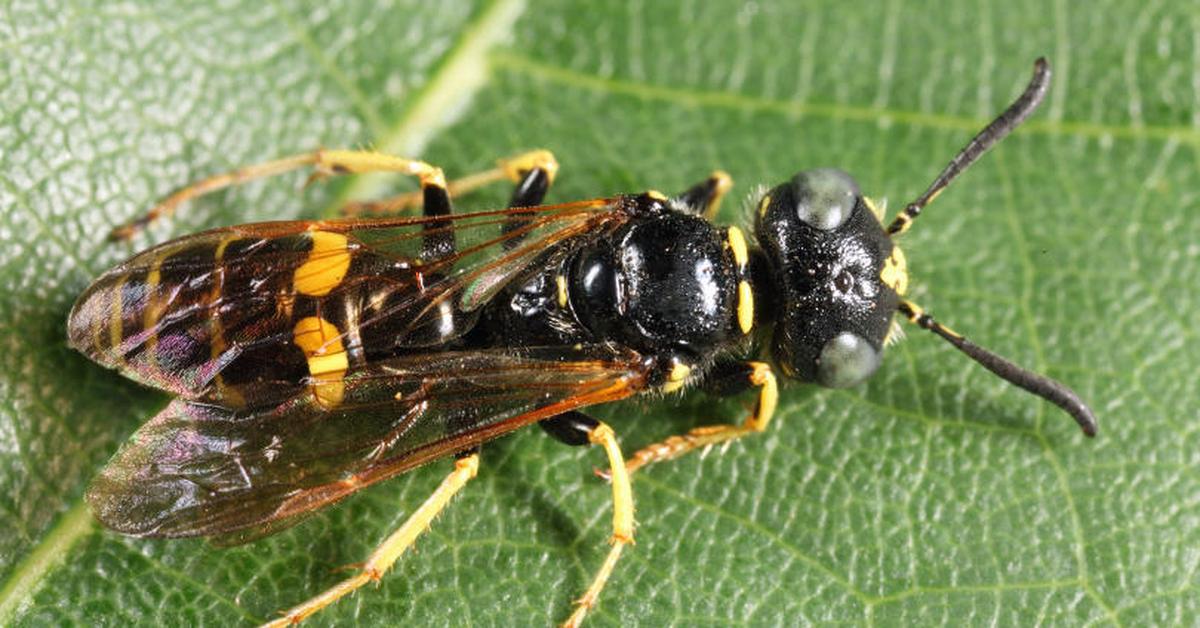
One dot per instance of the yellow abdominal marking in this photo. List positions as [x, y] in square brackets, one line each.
[678, 375]
[115, 321]
[763, 205]
[895, 271]
[326, 266]
[321, 343]
[745, 307]
[154, 307]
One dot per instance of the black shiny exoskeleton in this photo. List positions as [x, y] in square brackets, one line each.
[665, 282]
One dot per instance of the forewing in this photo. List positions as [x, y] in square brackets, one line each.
[204, 470]
[183, 315]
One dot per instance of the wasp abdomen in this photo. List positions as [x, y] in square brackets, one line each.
[250, 314]
[189, 314]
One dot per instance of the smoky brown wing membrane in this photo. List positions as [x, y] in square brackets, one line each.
[213, 316]
[199, 469]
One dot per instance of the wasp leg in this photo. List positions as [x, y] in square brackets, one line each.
[439, 241]
[386, 554]
[704, 198]
[515, 169]
[577, 429]
[535, 173]
[323, 162]
[725, 379]
[570, 428]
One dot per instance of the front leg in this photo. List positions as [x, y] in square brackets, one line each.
[724, 379]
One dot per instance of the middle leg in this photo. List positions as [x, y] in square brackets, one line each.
[323, 162]
[575, 428]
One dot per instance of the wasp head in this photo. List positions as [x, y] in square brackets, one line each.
[837, 278]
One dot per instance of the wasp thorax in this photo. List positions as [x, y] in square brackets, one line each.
[654, 284]
[827, 251]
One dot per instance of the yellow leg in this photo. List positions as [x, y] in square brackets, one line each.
[382, 558]
[511, 168]
[721, 182]
[675, 446]
[704, 198]
[622, 522]
[323, 162]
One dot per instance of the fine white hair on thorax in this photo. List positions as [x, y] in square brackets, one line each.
[750, 205]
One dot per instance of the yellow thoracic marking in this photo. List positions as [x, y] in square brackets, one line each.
[737, 244]
[656, 195]
[763, 205]
[678, 375]
[745, 307]
[321, 343]
[895, 271]
[326, 265]
[561, 283]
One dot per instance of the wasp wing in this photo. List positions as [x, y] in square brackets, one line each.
[206, 314]
[199, 469]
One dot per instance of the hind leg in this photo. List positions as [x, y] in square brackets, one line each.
[386, 554]
[323, 162]
[519, 169]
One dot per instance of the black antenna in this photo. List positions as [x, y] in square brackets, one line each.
[992, 133]
[1051, 390]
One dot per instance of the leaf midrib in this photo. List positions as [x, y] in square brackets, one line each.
[737, 101]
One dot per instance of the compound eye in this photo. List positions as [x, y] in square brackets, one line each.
[846, 360]
[825, 197]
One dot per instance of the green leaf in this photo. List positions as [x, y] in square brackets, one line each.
[934, 494]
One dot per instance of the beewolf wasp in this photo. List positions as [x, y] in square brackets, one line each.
[311, 359]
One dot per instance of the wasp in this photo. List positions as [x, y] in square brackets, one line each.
[311, 359]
